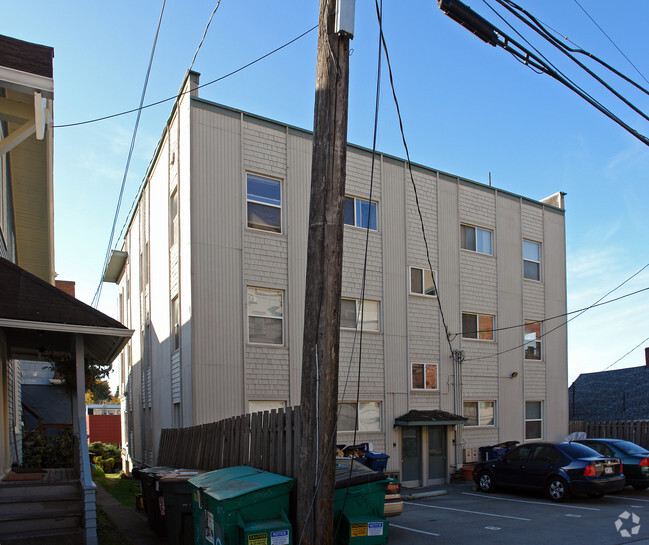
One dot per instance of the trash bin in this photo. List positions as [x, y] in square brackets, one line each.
[241, 505]
[359, 500]
[376, 460]
[176, 495]
[151, 497]
[492, 452]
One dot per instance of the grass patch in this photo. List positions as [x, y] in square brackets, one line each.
[122, 489]
[107, 532]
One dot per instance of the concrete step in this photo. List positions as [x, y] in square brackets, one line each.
[39, 522]
[52, 537]
[17, 506]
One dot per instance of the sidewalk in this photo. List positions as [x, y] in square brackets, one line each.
[128, 520]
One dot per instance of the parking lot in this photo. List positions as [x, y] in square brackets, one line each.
[465, 515]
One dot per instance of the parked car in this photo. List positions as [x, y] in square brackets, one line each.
[560, 469]
[634, 457]
[393, 503]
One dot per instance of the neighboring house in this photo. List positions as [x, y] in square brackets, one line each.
[39, 322]
[620, 394]
[212, 276]
[104, 423]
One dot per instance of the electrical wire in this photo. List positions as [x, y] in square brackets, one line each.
[97, 296]
[625, 355]
[221, 78]
[200, 44]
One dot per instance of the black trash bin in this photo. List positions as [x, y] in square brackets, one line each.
[153, 506]
[176, 495]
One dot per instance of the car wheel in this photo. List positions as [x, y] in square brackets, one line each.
[557, 489]
[486, 482]
[641, 486]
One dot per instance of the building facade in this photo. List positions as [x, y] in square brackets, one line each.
[212, 276]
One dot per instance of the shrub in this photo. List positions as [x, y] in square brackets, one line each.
[41, 452]
[106, 456]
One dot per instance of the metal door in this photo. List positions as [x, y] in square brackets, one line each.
[436, 455]
[411, 454]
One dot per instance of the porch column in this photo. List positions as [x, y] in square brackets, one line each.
[89, 487]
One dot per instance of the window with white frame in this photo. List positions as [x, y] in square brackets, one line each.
[173, 212]
[480, 413]
[354, 312]
[421, 282]
[368, 413]
[258, 406]
[532, 338]
[423, 376]
[264, 202]
[531, 260]
[265, 316]
[175, 324]
[533, 420]
[360, 213]
[477, 326]
[476, 239]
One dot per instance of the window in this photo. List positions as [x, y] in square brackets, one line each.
[475, 239]
[264, 203]
[531, 260]
[424, 376]
[265, 316]
[351, 314]
[533, 420]
[480, 413]
[360, 213]
[173, 205]
[257, 406]
[421, 282]
[546, 454]
[477, 326]
[369, 416]
[177, 416]
[532, 340]
[175, 324]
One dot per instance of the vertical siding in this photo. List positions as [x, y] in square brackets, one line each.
[218, 297]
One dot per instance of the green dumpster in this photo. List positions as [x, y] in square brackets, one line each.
[177, 505]
[152, 498]
[241, 505]
[359, 500]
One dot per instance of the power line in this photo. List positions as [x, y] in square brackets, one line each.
[200, 44]
[95, 300]
[221, 78]
[625, 355]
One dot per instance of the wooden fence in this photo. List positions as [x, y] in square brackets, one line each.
[265, 440]
[636, 431]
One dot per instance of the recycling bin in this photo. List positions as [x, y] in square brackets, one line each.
[176, 495]
[241, 505]
[153, 500]
[376, 460]
[359, 500]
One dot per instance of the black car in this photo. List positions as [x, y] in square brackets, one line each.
[634, 458]
[560, 469]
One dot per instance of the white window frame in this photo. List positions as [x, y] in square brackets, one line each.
[265, 316]
[175, 324]
[174, 231]
[478, 406]
[422, 279]
[264, 203]
[361, 424]
[367, 326]
[535, 342]
[528, 260]
[476, 239]
[477, 330]
[425, 367]
[357, 222]
[531, 420]
[265, 405]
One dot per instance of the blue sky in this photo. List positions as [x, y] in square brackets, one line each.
[468, 109]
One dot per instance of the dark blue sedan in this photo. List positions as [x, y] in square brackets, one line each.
[559, 469]
[634, 458]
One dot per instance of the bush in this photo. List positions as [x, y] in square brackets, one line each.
[41, 452]
[106, 456]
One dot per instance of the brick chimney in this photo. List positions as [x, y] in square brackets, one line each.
[646, 356]
[67, 286]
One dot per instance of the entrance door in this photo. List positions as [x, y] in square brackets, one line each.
[436, 455]
[411, 454]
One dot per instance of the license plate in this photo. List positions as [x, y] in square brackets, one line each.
[608, 470]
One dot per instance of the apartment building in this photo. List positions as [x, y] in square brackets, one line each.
[212, 276]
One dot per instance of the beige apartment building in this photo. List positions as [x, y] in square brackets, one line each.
[212, 276]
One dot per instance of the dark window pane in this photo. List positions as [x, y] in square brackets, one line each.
[417, 375]
[471, 413]
[264, 217]
[349, 211]
[468, 237]
[532, 270]
[348, 313]
[469, 326]
[415, 281]
[533, 429]
[264, 330]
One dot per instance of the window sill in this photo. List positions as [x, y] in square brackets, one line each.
[492, 341]
[265, 345]
[357, 330]
[475, 252]
[422, 295]
[424, 391]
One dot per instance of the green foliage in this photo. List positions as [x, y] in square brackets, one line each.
[122, 488]
[106, 456]
[99, 394]
[48, 452]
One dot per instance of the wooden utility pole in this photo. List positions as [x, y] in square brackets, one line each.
[319, 395]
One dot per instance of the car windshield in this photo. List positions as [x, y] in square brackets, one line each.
[630, 448]
[577, 450]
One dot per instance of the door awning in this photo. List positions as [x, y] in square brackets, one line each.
[429, 418]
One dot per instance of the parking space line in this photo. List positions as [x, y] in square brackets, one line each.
[414, 530]
[565, 506]
[466, 511]
[616, 497]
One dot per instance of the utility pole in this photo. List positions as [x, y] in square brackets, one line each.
[319, 394]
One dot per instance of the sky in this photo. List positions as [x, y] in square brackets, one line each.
[467, 108]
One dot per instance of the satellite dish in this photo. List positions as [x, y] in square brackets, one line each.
[576, 436]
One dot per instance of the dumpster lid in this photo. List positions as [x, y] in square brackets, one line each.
[180, 475]
[360, 474]
[233, 482]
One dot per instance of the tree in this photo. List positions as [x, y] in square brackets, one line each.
[99, 393]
